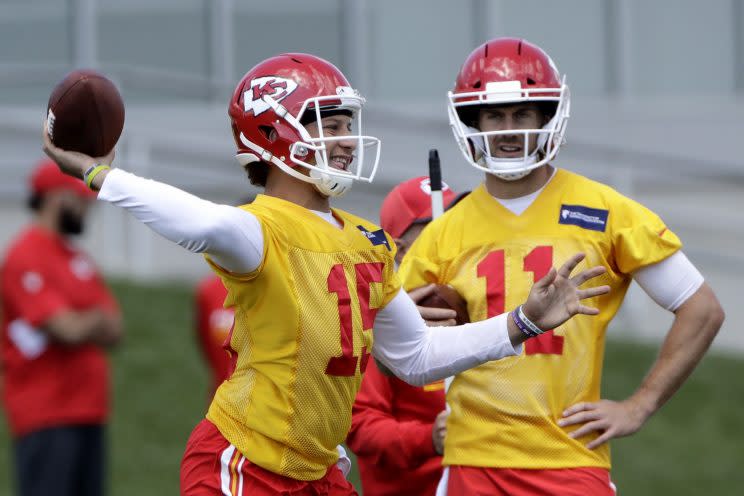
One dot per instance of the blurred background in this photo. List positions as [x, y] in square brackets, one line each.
[657, 105]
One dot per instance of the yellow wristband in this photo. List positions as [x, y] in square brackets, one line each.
[91, 174]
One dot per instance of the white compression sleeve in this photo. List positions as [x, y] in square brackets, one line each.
[231, 236]
[419, 354]
[670, 282]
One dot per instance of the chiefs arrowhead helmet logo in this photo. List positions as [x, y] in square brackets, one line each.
[277, 88]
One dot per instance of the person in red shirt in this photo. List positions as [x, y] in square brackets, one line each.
[213, 324]
[57, 318]
[397, 430]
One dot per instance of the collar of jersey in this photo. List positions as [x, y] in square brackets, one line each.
[483, 196]
[275, 202]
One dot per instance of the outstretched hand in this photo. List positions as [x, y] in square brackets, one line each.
[556, 297]
[70, 162]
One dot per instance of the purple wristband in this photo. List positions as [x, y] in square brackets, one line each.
[521, 325]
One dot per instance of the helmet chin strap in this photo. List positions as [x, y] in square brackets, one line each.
[495, 165]
[335, 187]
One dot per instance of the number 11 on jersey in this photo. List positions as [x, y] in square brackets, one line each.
[493, 269]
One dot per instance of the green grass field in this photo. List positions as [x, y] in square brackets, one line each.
[692, 447]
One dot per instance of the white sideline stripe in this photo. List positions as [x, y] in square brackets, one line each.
[225, 470]
[240, 476]
[443, 482]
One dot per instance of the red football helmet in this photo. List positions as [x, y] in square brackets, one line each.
[508, 71]
[268, 106]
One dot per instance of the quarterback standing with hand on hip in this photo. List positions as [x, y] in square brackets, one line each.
[313, 288]
[535, 424]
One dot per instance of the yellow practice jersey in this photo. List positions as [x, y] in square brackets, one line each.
[504, 412]
[302, 336]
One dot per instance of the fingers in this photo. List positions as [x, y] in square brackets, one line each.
[547, 279]
[579, 413]
[437, 314]
[440, 323]
[585, 310]
[593, 419]
[70, 162]
[434, 317]
[578, 407]
[583, 294]
[418, 294]
[585, 275]
[46, 140]
[607, 433]
[570, 265]
[430, 313]
[606, 436]
[588, 428]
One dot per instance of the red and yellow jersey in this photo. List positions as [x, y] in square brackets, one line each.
[302, 336]
[504, 412]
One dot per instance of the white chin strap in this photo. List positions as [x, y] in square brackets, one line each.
[496, 165]
[335, 187]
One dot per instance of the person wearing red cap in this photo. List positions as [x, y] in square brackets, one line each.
[406, 210]
[57, 318]
[397, 428]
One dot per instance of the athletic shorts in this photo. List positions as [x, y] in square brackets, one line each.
[580, 481]
[211, 466]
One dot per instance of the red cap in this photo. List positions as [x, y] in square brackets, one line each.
[47, 177]
[409, 203]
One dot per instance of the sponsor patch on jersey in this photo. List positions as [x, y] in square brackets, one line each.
[375, 237]
[585, 217]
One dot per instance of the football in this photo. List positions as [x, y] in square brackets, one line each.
[85, 113]
[445, 296]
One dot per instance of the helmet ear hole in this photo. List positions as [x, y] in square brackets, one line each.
[268, 132]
